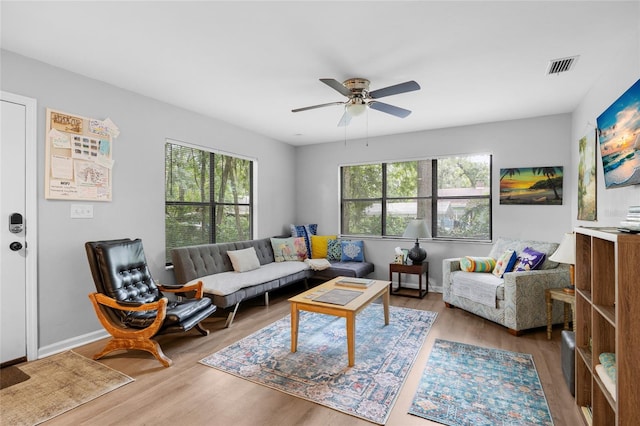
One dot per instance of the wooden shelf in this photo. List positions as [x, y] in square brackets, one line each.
[587, 358]
[607, 319]
[608, 312]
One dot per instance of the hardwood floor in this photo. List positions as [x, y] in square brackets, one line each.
[188, 393]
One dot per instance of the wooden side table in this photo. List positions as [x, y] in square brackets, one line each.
[569, 300]
[418, 270]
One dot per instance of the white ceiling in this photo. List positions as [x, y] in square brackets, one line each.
[250, 63]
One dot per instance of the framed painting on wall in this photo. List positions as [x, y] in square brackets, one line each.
[587, 200]
[531, 185]
[619, 138]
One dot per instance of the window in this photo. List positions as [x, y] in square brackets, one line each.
[453, 194]
[208, 197]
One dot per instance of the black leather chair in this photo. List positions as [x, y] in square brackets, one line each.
[130, 305]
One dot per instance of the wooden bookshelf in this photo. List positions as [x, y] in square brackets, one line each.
[608, 320]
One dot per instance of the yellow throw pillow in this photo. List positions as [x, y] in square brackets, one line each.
[319, 244]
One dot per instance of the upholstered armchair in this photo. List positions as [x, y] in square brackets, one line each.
[519, 300]
[130, 304]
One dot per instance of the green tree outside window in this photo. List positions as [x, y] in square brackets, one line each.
[453, 194]
[208, 197]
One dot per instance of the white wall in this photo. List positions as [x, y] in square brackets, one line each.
[137, 209]
[612, 204]
[541, 141]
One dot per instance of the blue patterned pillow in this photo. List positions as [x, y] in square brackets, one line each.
[334, 250]
[352, 251]
[305, 231]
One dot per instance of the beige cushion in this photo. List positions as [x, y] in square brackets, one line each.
[244, 260]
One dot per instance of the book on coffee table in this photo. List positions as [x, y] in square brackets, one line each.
[354, 282]
[338, 296]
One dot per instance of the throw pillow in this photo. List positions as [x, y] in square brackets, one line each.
[320, 245]
[305, 231]
[528, 260]
[477, 264]
[292, 248]
[334, 250]
[505, 263]
[244, 260]
[608, 361]
[352, 251]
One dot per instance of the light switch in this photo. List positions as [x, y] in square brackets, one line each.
[81, 211]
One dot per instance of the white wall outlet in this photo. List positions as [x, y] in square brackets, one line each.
[81, 211]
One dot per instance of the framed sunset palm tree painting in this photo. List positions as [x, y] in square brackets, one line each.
[531, 185]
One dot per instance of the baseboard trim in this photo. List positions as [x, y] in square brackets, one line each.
[68, 344]
[414, 285]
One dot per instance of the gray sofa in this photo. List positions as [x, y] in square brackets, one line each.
[210, 264]
[519, 300]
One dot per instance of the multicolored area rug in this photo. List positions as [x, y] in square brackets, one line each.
[471, 385]
[318, 371]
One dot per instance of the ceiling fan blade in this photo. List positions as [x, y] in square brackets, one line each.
[407, 86]
[336, 85]
[345, 120]
[317, 106]
[390, 109]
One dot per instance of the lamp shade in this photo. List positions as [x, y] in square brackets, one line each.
[417, 228]
[566, 252]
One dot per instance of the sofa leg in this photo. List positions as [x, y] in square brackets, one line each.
[231, 316]
[306, 284]
[266, 298]
[516, 333]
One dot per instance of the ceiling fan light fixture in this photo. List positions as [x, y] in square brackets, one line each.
[356, 109]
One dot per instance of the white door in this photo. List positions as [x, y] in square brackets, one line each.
[17, 230]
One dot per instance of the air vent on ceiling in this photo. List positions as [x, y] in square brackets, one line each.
[556, 66]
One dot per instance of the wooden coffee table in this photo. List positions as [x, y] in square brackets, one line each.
[305, 302]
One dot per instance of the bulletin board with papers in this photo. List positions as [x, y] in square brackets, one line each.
[79, 157]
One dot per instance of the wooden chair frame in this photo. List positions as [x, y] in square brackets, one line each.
[124, 338]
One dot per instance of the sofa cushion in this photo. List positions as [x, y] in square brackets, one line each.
[226, 283]
[305, 231]
[285, 249]
[320, 245]
[334, 250]
[528, 260]
[244, 260]
[477, 264]
[505, 263]
[352, 251]
[346, 269]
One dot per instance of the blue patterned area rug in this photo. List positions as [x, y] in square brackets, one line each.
[318, 371]
[471, 385]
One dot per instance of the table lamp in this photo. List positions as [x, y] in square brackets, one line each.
[566, 253]
[417, 228]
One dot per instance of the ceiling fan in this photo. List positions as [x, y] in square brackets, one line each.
[357, 90]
